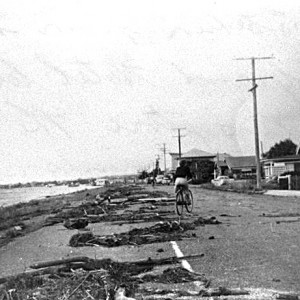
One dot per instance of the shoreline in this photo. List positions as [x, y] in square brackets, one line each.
[12, 197]
[22, 218]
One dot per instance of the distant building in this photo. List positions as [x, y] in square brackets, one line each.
[201, 164]
[241, 166]
[221, 156]
[174, 160]
[196, 154]
[221, 167]
[277, 166]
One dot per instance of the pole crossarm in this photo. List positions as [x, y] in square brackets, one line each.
[249, 58]
[257, 78]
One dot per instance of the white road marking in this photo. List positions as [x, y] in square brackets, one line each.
[185, 264]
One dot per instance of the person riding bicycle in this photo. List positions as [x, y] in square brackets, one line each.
[182, 175]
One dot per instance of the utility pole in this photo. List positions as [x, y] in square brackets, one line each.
[262, 149]
[179, 136]
[253, 90]
[164, 152]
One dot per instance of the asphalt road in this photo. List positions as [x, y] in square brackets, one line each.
[257, 246]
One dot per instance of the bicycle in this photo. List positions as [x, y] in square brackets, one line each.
[184, 197]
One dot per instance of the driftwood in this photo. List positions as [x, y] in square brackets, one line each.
[137, 196]
[52, 263]
[161, 199]
[46, 271]
[222, 291]
[166, 261]
[288, 297]
[131, 269]
[85, 260]
[135, 200]
[158, 294]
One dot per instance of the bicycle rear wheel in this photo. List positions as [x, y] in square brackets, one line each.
[189, 205]
[179, 203]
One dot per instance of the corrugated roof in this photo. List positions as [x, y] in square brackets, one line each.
[236, 162]
[197, 153]
[283, 158]
[221, 156]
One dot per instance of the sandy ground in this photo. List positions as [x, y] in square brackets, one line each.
[257, 246]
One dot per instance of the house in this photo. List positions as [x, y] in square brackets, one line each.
[241, 166]
[221, 167]
[201, 164]
[174, 160]
[198, 154]
[277, 166]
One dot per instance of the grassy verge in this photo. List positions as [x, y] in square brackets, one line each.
[242, 186]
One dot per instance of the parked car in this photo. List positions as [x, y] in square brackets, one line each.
[166, 180]
[101, 182]
[148, 180]
[159, 179]
[221, 180]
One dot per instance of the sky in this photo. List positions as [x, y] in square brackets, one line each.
[90, 88]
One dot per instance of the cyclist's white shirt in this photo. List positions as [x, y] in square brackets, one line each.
[181, 181]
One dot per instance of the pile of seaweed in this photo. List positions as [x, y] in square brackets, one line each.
[160, 232]
[103, 207]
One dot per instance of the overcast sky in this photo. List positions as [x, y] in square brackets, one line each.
[89, 88]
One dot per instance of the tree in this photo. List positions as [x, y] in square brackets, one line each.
[283, 148]
[143, 174]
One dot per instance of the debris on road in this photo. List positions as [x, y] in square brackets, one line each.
[287, 297]
[76, 223]
[160, 232]
[281, 215]
[120, 294]
[103, 207]
[205, 221]
[287, 217]
[227, 215]
[222, 291]
[83, 277]
[174, 275]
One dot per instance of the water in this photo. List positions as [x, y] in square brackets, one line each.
[14, 196]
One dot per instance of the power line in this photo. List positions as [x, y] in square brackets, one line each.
[253, 90]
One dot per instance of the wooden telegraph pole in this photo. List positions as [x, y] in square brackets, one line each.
[164, 152]
[253, 90]
[179, 136]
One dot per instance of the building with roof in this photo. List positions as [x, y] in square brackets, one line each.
[174, 160]
[201, 164]
[241, 166]
[198, 154]
[277, 166]
[190, 156]
[221, 167]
